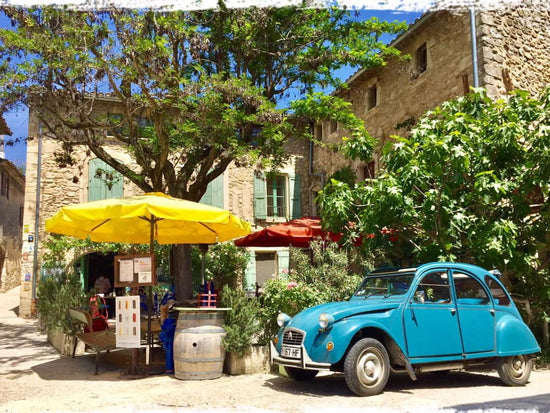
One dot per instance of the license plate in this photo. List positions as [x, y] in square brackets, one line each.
[291, 352]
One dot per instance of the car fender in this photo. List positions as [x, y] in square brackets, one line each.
[514, 337]
[331, 345]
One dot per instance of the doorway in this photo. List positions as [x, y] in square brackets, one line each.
[96, 264]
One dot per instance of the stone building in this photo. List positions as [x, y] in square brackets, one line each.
[512, 53]
[12, 185]
[246, 192]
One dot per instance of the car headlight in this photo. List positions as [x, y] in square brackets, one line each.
[325, 321]
[282, 319]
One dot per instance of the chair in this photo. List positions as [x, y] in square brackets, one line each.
[83, 326]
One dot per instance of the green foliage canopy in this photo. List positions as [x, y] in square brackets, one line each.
[470, 183]
[186, 92]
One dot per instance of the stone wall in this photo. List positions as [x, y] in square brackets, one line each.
[403, 94]
[512, 44]
[10, 226]
[515, 43]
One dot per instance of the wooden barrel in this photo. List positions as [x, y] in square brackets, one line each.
[199, 353]
[194, 318]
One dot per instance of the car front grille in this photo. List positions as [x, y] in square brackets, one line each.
[293, 337]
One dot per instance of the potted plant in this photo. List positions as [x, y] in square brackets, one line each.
[55, 295]
[242, 325]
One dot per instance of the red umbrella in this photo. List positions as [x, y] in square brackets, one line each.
[297, 233]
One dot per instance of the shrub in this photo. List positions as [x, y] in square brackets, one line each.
[327, 270]
[224, 264]
[55, 296]
[242, 321]
[282, 295]
[321, 277]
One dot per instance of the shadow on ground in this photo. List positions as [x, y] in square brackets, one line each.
[115, 365]
[335, 384]
[539, 403]
[15, 311]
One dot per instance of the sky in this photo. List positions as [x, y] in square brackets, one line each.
[18, 121]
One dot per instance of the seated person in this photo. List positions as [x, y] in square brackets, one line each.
[102, 285]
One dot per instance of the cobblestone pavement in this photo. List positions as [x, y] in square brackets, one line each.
[35, 378]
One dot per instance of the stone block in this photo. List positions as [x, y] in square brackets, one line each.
[255, 360]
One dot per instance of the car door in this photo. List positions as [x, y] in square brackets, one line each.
[476, 314]
[430, 319]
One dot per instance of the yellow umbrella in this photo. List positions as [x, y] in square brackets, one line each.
[141, 219]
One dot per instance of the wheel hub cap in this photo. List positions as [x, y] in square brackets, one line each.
[369, 369]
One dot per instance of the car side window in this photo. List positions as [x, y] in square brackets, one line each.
[469, 290]
[433, 288]
[499, 294]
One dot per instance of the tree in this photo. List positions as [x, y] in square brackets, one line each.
[191, 91]
[470, 183]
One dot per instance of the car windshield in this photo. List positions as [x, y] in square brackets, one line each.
[385, 285]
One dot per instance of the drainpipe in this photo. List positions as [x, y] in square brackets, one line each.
[474, 45]
[37, 218]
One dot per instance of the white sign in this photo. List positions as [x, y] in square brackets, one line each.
[128, 322]
[126, 268]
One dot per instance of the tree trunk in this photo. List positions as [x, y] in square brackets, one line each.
[180, 269]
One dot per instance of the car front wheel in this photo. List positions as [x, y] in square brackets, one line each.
[367, 367]
[514, 370]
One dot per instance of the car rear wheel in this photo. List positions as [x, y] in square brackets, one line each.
[367, 367]
[514, 370]
[300, 374]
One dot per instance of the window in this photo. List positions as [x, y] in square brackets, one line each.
[465, 84]
[21, 214]
[433, 288]
[421, 58]
[469, 290]
[120, 127]
[265, 266]
[372, 98]
[368, 170]
[500, 296]
[5, 189]
[277, 196]
[318, 134]
[333, 126]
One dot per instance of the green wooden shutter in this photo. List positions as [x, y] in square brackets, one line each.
[98, 188]
[260, 200]
[295, 197]
[214, 193]
[283, 262]
[217, 192]
[250, 272]
[206, 198]
[95, 185]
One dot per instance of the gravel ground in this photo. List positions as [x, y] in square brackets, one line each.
[35, 378]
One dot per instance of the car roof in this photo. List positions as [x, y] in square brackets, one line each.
[454, 265]
[431, 265]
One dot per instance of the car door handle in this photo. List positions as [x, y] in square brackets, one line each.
[492, 311]
[453, 311]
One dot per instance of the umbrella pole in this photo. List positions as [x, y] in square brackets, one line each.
[150, 294]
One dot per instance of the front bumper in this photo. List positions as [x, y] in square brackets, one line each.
[304, 362]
